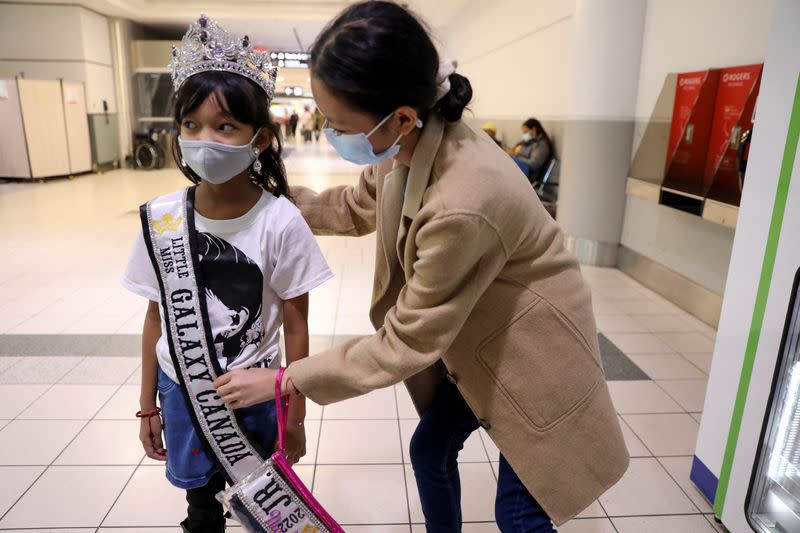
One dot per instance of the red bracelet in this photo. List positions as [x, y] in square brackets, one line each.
[149, 414]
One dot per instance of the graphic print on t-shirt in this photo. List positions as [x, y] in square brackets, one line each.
[234, 290]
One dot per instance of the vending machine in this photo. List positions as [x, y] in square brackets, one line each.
[747, 459]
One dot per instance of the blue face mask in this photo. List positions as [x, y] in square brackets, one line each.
[356, 148]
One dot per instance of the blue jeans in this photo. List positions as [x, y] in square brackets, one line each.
[444, 427]
[190, 464]
[524, 167]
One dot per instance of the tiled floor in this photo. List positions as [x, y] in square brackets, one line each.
[68, 383]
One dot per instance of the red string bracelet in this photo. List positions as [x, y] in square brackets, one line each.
[149, 414]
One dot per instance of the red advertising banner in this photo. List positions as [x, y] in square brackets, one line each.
[733, 114]
[690, 131]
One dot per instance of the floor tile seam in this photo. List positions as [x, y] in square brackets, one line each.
[673, 397]
[44, 471]
[89, 421]
[17, 417]
[672, 478]
[32, 483]
[15, 363]
[684, 412]
[125, 322]
[403, 456]
[121, 492]
[684, 491]
[695, 332]
[316, 452]
[31, 317]
[646, 331]
[336, 313]
[8, 281]
[80, 419]
[703, 372]
[488, 456]
[682, 379]
[602, 507]
[81, 359]
[635, 353]
[75, 319]
[656, 515]
[630, 428]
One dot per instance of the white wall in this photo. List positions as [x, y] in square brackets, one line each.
[685, 35]
[31, 32]
[697, 249]
[59, 42]
[517, 55]
[99, 87]
[95, 37]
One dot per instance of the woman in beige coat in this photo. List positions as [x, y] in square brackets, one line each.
[476, 303]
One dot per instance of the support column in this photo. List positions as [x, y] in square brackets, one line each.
[120, 51]
[598, 135]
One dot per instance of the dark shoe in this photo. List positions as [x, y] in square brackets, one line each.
[206, 528]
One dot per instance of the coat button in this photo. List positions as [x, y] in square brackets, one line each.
[451, 378]
[484, 424]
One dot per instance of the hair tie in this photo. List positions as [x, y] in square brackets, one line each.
[446, 69]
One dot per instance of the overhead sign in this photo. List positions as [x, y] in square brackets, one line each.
[289, 59]
[293, 91]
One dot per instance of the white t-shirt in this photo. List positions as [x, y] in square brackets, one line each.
[250, 265]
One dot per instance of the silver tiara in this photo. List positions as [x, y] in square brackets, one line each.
[208, 47]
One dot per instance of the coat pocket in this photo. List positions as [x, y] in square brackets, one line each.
[541, 364]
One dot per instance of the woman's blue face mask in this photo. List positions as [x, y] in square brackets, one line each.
[356, 148]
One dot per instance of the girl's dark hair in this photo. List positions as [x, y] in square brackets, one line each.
[247, 103]
[533, 123]
[377, 56]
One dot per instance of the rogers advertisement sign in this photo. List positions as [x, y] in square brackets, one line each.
[690, 130]
[736, 95]
[688, 91]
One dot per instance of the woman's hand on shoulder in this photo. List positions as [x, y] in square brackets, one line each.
[245, 387]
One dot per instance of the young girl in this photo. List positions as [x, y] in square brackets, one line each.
[257, 257]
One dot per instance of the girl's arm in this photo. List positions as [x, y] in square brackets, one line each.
[150, 428]
[295, 328]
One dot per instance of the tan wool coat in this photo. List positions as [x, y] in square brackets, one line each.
[472, 279]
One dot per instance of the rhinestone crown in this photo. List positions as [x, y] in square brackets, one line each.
[208, 47]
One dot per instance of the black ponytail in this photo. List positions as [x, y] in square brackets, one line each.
[452, 105]
[248, 104]
[378, 56]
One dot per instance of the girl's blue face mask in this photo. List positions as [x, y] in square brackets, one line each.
[356, 148]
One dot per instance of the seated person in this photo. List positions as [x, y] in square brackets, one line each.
[534, 151]
[491, 130]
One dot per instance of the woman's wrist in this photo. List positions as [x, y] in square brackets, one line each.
[288, 387]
